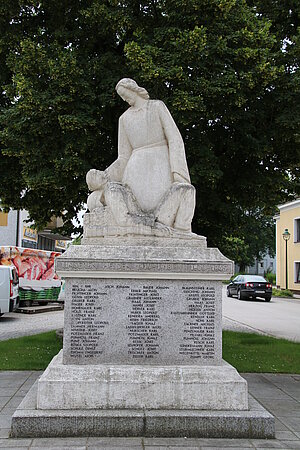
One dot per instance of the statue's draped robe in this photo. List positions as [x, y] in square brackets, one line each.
[150, 152]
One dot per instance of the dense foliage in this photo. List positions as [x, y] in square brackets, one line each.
[227, 69]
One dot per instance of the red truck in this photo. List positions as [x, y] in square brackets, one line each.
[37, 278]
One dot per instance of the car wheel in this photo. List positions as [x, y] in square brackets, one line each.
[240, 295]
[268, 299]
[228, 293]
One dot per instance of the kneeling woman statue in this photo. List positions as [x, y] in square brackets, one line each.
[149, 183]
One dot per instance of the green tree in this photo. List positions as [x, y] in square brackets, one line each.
[237, 250]
[218, 64]
[257, 238]
[222, 63]
[283, 106]
[60, 113]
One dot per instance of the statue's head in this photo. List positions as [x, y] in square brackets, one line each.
[128, 89]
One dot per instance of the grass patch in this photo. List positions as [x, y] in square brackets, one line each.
[246, 352]
[282, 293]
[249, 352]
[29, 352]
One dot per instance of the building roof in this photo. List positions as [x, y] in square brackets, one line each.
[289, 205]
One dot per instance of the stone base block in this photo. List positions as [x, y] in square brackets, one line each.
[28, 421]
[141, 387]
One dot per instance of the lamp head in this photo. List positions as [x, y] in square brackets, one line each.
[286, 234]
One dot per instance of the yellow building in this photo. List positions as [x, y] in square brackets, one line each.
[288, 241]
[3, 219]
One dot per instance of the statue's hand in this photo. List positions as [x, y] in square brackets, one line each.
[95, 179]
[161, 229]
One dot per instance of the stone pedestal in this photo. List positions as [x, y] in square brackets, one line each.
[142, 350]
[129, 387]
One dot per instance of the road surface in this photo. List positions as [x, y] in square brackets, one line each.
[279, 318]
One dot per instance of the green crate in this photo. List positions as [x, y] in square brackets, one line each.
[45, 294]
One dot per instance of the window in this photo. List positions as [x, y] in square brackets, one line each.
[29, 244]
[15, 276]
[297, 230]
[254, 278]
[297, 272]
[45, 243]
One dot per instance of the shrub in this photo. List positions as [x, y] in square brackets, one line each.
[282, 293]
[270, 277]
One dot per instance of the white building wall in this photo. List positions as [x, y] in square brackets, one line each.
[8, 234]
[260, 267]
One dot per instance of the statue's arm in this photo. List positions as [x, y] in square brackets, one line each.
[176, 145]
[115, 171]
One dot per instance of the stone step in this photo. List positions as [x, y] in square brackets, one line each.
[28, 421]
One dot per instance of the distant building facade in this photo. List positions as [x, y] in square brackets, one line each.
[288, 219]
[15, 230]
[260, 266]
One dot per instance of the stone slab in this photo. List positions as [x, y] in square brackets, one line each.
[193, 240]
[27, 421]
[188, 259]
[141, 387]
[39, 309]
[162, 322]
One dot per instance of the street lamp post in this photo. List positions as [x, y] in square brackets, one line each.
[286, 236]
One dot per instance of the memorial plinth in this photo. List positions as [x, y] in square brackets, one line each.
[142, 353]
[142, 347]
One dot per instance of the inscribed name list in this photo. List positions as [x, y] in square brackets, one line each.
[144, 322]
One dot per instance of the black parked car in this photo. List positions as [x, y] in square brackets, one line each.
[246, 286]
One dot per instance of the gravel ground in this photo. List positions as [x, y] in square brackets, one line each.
[13, 325]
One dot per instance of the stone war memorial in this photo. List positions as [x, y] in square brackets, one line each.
[142, 350]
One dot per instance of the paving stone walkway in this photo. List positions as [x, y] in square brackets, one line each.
[280, 394]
